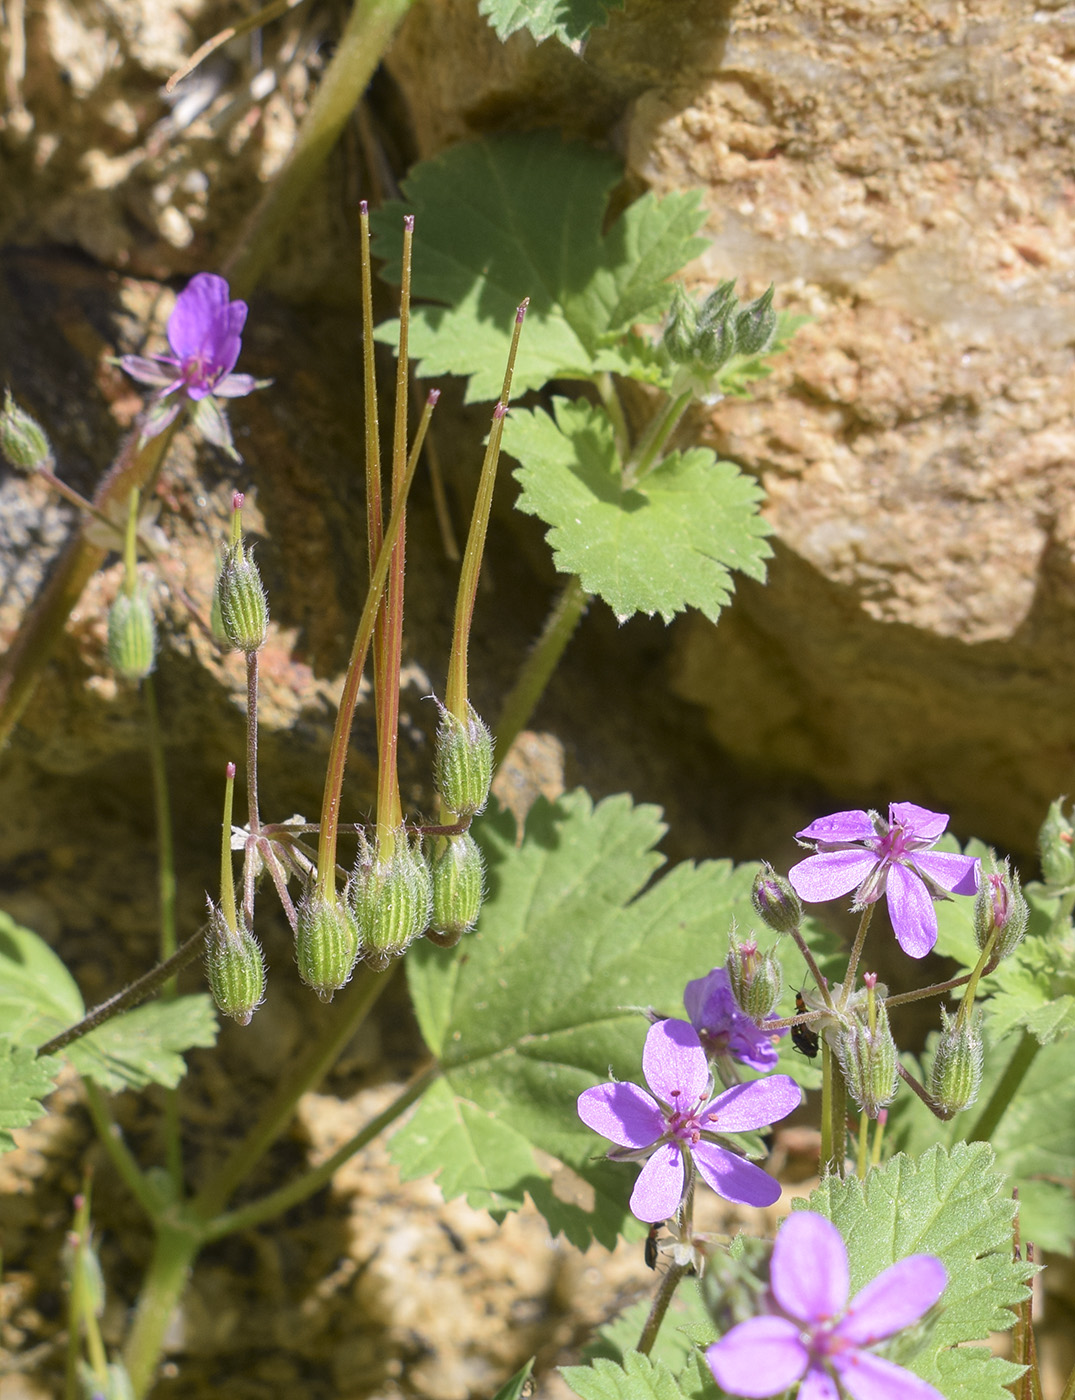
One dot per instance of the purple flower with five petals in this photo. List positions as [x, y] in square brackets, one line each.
[860, 851]
[676, 1123]
[205, 335]
[723, 1027]
[816, 1335]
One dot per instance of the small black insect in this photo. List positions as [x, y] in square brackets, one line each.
[651, 1246]
[802, 1037]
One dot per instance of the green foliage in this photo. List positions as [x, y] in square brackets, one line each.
[686, 1326]
[517, 1386]
[39, 998]
[24, 1082]
[638, 1378]
[509, 217]
[545, 999]
[569, 20]
[664, 545]
[954, 1205]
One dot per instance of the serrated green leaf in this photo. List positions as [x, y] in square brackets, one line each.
[1034, 1141]
[685, 1324]
[145, 1046]
[667, 544]
[24, 1082]
[509, 217]
[952, 1205]
[545, 999]
[569, 20]
[638, 1378]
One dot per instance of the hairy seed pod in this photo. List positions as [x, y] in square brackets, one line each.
[244, 609]
[458, 889]
[235, 968]
[132, 636]
[463, 762]
[390, 899]
[326, 943]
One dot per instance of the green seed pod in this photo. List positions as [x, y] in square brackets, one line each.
[132, 636]
[1001, 906]
[775, 901]
[244, 610]
[868, 1060]
[22, 439]
[956, 1073]
[1055, 846]
[463, 762]
[326, 943]
[755, 324]
[235, 968]
[390, 900]
[756, 978]
[458, 889]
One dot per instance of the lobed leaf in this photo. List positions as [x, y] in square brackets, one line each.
[547, 997]
[664, 545]
[638, 1378]
[508, 217]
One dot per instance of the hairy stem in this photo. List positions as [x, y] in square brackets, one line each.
[130, 996]
[665, 1293]
[174, 1252]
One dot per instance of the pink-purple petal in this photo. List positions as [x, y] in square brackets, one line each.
[831, 874]
[675, 1065]
[954, 873]
[235, 386]
[745, 1107]
[623, 1113]
[733, 1177]
[893, 1300]
[910, 907]
[659, 1188]
[868, 1377]
[759, 1357]
[149, 369]
[918, 822]
[194, 318]
[808, 1274]
[841, 826]
[818, 1385]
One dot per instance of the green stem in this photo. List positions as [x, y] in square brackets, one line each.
[338, 1025]
[808, 957]
[123, 1158]
[174, 1251]
[934, 991]
[538, 667]
[166, 895]
[665, 1294]
[337, 762]
[856, 953]
[274, 1204]
[862, 1160]
[42, 627]
[130, 996]
[643, 458]
[833, 1112]
[362, 45]
[1025, 1054]
[457, 690]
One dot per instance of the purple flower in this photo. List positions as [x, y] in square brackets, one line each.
[860, 851]
[723, 1028]
[816, 1335]
[204, 332]
[679, 1122]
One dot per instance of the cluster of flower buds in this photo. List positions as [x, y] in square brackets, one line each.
[22, 439]
[867, 1051]
[702, 339]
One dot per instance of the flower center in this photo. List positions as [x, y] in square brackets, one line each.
[684, 1125]
[895, 843]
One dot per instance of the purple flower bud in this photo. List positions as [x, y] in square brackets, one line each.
[776, 902]
[756, 978]
[1000, 908]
